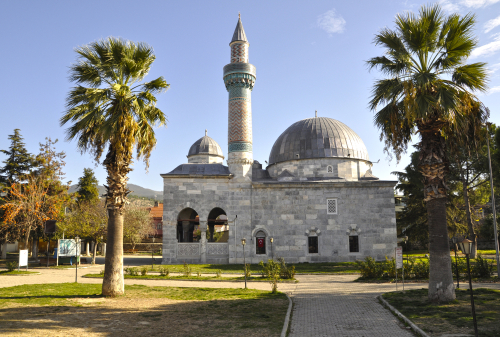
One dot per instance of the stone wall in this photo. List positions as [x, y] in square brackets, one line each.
[289, 212]
[349, 169]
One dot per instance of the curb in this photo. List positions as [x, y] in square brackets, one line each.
[415, 328]
[287, 317]
[195, 280]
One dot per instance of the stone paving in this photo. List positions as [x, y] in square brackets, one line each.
[324, 305]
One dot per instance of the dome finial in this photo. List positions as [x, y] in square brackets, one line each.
[316, 113]
[239, 15]
[206, 132]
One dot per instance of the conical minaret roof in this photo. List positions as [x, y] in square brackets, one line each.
[239, 32]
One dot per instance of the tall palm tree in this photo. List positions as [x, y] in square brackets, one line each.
[428, 90]
[110, 109]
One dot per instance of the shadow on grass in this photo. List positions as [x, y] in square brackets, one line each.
[147, 311]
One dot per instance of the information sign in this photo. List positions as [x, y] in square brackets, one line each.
[399, 257]
[23, 258]
[68, 247]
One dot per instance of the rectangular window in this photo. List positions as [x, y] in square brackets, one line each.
[260, 246]
[353, 244]
[331, 206]
[313, 244]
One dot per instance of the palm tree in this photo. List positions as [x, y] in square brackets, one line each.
[428, 90]
[110, 108]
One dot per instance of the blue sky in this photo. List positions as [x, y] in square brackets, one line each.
[310, 55]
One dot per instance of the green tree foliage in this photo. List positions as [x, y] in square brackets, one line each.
[87, 187]
[428, 90]
[137, 224]
[86, 220]
[19, 161]
[109, 108]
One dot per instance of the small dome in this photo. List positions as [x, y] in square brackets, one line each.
[318, 137]
[205, 146]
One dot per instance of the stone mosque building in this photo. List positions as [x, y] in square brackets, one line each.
[316, 201]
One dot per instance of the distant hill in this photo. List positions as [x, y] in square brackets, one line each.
[136, 190]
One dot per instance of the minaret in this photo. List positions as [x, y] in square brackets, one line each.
[239, 78]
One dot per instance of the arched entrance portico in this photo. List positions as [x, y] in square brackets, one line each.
[187, 226]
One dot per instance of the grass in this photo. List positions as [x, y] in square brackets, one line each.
[201, 278]
[453, 317]
[15, 272]
[301, 268]
[80, 309]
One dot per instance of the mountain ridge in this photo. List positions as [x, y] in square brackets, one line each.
[136, 190]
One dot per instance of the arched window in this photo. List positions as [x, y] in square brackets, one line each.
[187, 226]
[260, 243]
[217, 230]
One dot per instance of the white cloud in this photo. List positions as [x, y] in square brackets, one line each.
[490, 24]
[488, 49]
[331, 22]
[478, 3]
[494, 90]
[493, 68]
[449, 6]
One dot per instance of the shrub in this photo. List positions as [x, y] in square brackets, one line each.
[218, 273]
[390, 268]
[421, 269]
[272, 270]
[101, 272]
[144, 271]
[187, 270]
[11, 265]
[132, 271]
[198, 274]
[285, 271]
[164, 271]
[248, 272]
[369, 268]
[482, 268]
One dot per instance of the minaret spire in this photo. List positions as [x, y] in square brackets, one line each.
[239, 78]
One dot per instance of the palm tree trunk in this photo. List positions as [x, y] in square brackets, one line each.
[117, 163]
[113, 284]
[433, 166]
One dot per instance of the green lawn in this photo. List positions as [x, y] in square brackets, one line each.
[79, 309]
[15, 272]
[454, 317]
[197, 278]
[306, 268]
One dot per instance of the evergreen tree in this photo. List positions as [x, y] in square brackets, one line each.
[87, 187]
[19, 161]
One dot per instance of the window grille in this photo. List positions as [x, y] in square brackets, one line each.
[329, 169]
[331, 206]
[313, 244]
[353, 244]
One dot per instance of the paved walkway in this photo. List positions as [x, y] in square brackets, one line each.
[324, 305]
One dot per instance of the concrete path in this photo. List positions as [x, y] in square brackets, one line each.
[324, 305]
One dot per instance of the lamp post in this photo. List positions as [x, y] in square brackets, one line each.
[243, 242]
[76, 258]
[493, 203]
[272, 251]
[455, 240]
[465, 247]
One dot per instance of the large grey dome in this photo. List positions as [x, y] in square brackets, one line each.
[318, 137]
[205, 146]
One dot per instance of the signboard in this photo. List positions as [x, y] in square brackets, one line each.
[68, 247]
[23, 258]
[399, 257]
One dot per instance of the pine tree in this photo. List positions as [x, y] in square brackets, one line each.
[19, 161]
[87, 187]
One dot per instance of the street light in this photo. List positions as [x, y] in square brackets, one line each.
[455, 243]
[243, 242]
[272, 252]
[76, 258]
[466, 247]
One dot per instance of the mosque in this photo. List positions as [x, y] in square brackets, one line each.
[316, 201]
